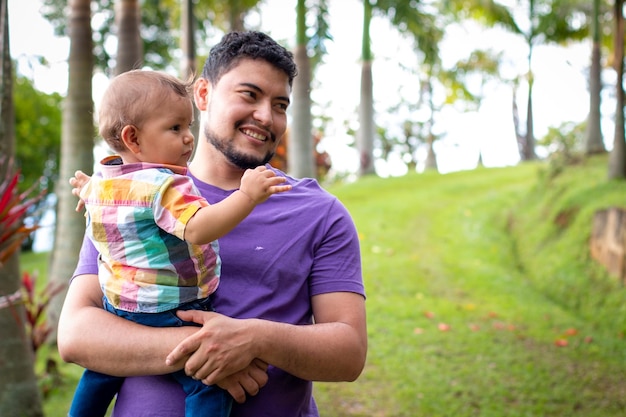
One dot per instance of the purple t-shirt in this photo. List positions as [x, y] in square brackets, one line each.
[293, 246]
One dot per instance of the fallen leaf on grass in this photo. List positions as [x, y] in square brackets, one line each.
[444, 327]
[561, 342]
[571, 332]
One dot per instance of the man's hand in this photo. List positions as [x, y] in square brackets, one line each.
[249, 381]
[222, 347]
[77, 182]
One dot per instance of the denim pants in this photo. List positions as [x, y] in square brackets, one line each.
[95, 391]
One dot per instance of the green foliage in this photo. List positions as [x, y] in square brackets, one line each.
[37, 134]
[564, 145]
[560, 244]
[418, 20]
[157, 30]
[320, 32]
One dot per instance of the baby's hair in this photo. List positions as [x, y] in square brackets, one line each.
[131, 96]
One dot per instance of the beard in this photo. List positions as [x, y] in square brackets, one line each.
[238, 159]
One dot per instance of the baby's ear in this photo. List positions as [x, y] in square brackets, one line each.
[130, 137]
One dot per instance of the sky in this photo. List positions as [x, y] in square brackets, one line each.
[560, 93]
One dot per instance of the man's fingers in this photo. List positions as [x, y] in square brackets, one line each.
[194, 316]
[234, 389]
[182, 352]
[189, 345]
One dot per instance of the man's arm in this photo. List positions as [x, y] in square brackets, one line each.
[96, 339]
[332, 349]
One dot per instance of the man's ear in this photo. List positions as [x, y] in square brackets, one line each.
[202, 93]
[130, 137]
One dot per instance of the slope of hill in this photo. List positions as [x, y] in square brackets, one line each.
[483, 298]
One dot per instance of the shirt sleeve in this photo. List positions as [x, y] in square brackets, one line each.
[337, 265]
[87, 259]
[176, 202]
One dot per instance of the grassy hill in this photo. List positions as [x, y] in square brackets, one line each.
[482, 297]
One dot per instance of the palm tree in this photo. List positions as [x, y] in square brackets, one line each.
[617, 158]
[227, 15]
[308, 53]
[19, 393]
[365, 135]
[188, 63]
[300, 150]
[129, 43]
[76, 150]
[545, 21]
[594, 143]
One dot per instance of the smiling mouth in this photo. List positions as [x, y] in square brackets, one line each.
[255, 135]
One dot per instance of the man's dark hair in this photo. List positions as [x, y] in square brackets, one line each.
[236, 46]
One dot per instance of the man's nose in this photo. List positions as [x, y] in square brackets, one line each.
[263, 114]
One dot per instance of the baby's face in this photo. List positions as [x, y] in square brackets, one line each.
[165, 137]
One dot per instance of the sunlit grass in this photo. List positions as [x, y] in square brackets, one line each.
[472, 286]
[461, 322]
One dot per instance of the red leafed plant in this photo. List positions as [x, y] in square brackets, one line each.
[13, 208]
[35, 304]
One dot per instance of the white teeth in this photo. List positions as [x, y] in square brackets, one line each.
[254, 135]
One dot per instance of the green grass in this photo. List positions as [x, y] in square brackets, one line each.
[501, 257]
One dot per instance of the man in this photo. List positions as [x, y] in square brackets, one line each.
[291, 303]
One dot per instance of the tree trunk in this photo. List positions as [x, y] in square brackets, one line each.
[19, 393]
[431, 158]
[595, 143]
[76, 151]
[188, 63]
[529, 144]
[300, 159]
[617, 158]
[129, 44]
[365, 137]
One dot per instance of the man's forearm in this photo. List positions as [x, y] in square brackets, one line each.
[100, 341]
[320, 352]
[333, 349]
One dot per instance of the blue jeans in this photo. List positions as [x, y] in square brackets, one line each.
[95, 391]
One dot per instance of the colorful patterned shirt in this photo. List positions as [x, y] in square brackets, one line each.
[136, 218]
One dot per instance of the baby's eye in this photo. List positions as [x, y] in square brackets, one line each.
[176, 128]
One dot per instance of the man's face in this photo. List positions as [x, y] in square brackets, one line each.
[247, 112]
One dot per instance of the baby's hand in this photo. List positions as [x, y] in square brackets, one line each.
[260, 183]
[77, 182]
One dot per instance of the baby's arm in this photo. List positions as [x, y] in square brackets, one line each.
[214, 221]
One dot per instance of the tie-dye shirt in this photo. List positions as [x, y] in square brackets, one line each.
[136, 217]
